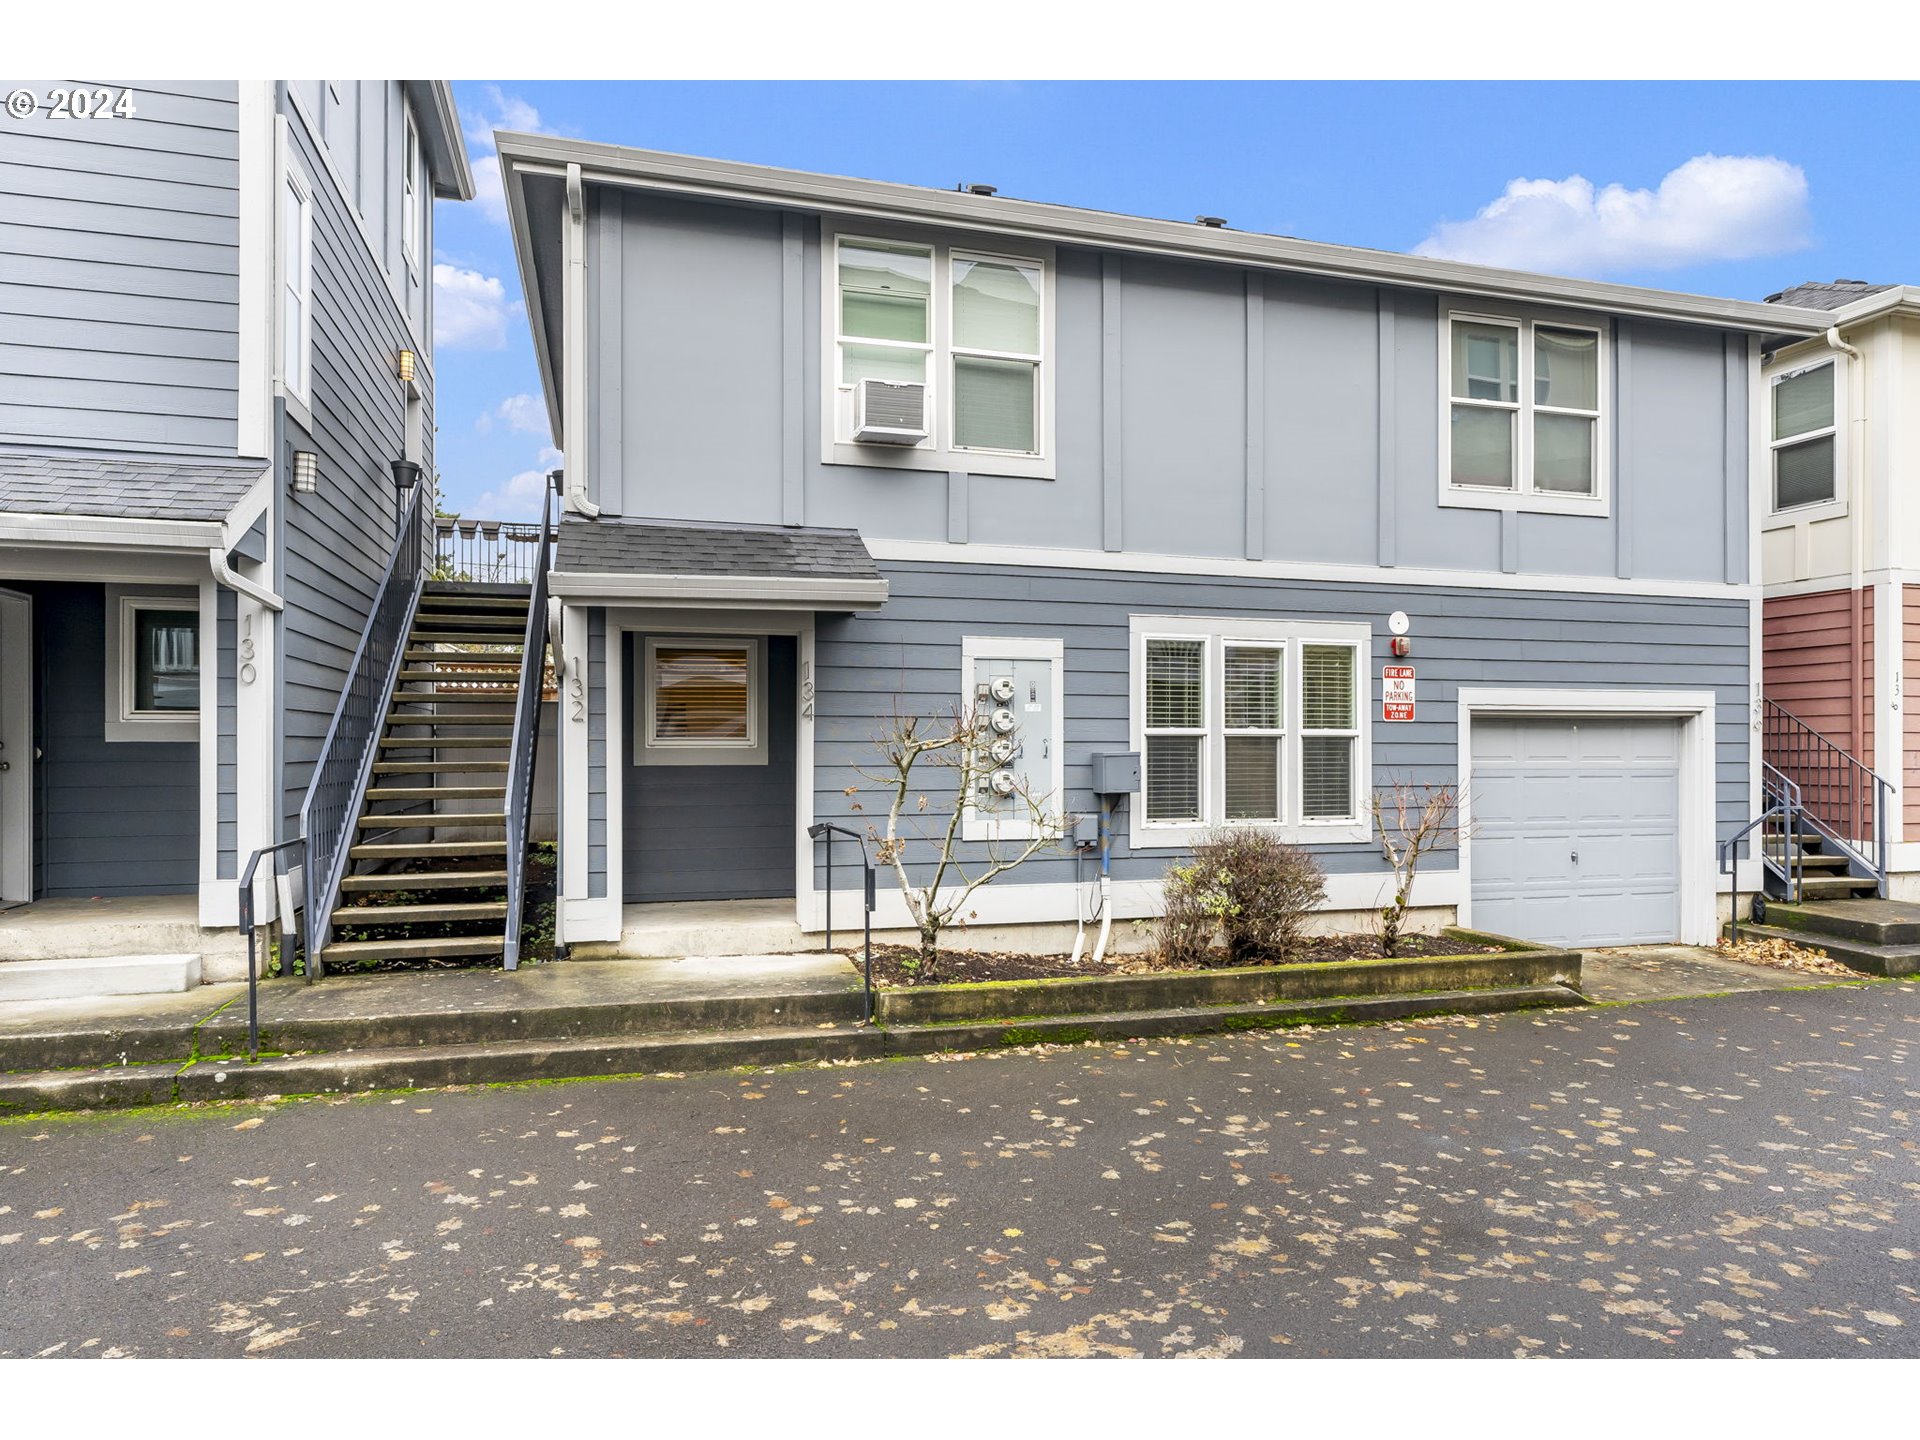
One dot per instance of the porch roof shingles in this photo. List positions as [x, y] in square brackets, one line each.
[41, 482]
[609, 546]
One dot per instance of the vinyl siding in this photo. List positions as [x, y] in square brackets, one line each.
[1808, 662]
[119, 291]
[911, 649]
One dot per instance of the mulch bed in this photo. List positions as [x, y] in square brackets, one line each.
[899, 965]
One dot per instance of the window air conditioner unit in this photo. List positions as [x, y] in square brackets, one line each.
[888, 414]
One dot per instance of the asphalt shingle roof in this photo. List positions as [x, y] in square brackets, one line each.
[53, 482]
[666, 547]
[1826, 294]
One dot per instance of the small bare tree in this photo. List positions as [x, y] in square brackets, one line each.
[958, 744]
[1412, 822]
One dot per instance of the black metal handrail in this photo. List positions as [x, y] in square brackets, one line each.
[489, 551]
[1841, 797]
[246, 924]
[824, 831]
[338, 785]
[526, 736]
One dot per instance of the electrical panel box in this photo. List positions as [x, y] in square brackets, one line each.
[1015, 699]
[1117, 773]
[1083, 831]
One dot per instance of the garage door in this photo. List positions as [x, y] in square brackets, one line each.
[1576, 830]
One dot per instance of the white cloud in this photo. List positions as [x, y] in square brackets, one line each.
[1713, 207]
[525, 414]
[488, 192]
[519, 496]
[469, 309]
[501, 112]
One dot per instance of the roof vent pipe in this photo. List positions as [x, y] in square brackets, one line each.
[1212, 222]
[978, 189]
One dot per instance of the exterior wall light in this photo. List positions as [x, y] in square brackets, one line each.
[406, 363]
[306, 471]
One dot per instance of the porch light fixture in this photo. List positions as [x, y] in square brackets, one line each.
[306, 471]
[407, 361]
[406, 474]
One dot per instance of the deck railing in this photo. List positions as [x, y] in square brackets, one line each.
[339, 779]
[526, 734]
[493, 552]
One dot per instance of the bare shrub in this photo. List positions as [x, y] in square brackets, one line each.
[1412, 821]
[1247, 886]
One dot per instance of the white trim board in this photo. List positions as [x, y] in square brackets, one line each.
[942, 552]
[710, 592]
[1699, 918]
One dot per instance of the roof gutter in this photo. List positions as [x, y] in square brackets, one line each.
[882, 200]
[745, 592]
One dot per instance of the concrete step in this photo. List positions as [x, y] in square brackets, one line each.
[1873, 921]
[78, 977]
[395, 1064]
[426, 880]
[1813, 887]
[1811, 862]
[378, 914]
[1862, 955]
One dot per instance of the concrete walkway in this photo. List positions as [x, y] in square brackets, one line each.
[1674, 972]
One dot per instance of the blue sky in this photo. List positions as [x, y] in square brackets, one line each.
[1764, 185]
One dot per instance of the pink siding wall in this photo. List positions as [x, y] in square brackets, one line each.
[1808, 665]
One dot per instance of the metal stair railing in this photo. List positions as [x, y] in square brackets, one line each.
[526, 735]
[1841, 798]
[1779, 845]
[338, 786]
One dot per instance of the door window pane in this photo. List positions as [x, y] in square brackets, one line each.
[1563, 454]
[1803, 473]
[1803, 403]
[166, 661]
[1253, 778]
[1483, 447]
[996, 306]
[1326, 777]
[1486, 362]
[1173, 777]
[1326, 681]
[1174, 684]
[1566, 368]
[993, 404]
[700, 695]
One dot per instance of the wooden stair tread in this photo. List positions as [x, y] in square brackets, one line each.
[435, 792]
[501, 674]
[425, 820]
[438, 600]
[443, 742]
[426, 880]
[426, 849]
[436, 767]
[491, 695]
[420, 914]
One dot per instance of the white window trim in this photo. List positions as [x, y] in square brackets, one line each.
[1819, 509]
[1523, 496]
[647, 750]
[412, 201]
[290, 174]
[1293, 636]
[937, 452]
[975, 648]
[123, 722]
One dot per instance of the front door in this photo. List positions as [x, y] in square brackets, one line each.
[16, 748]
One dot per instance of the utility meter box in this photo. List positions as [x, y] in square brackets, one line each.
[1014, 696]
[1117, 773]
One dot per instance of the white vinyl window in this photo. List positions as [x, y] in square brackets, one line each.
[973, 328]
[1804, 437]
[296, 283]
[1248, 722]
[411, 178]
[1523, 413]
[704, 702]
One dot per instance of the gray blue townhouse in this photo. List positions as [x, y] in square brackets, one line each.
[1227, 528]
[216, 340]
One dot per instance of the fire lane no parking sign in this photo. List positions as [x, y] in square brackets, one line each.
[1396, 692]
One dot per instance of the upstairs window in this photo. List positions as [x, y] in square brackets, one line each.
[296, 283]
[1805, 438]
[411, 213]
[971, 328]
[1523, 413]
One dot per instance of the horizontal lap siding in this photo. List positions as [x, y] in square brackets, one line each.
[911, 649]
[339, 538]
[1808, 664]
[119, 265]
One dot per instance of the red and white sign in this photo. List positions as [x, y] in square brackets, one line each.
[1396, 692]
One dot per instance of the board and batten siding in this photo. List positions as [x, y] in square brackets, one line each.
[911, 649]
[335, 542]
[1203, 410]
[119, 265]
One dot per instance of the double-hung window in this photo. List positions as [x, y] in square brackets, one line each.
[972, 328]
[1245, 722]
[296, 283]
[1524, 411]
[411, 212]
[1805, 437]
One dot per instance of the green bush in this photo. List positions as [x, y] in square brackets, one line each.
[1248, 888]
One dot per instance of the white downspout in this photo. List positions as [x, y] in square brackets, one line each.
[233, 580]
[1856, 505]
[573, 323]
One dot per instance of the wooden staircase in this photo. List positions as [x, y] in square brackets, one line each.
[427, 873]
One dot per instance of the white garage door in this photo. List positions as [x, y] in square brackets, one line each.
[1576, 830]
